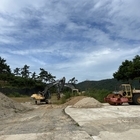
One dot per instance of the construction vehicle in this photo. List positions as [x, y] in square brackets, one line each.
[72, 87]
[125, 95]
[45, 96]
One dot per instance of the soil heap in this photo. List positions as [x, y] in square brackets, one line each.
[8, 107]
[87, 102]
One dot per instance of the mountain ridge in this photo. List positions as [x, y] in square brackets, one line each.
[108, 84]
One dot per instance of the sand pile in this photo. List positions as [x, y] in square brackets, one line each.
[87, 102]
[74, 100]
[8, 107]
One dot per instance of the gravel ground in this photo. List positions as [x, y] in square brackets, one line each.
[9, 108]
[45, 122]
[87, 119]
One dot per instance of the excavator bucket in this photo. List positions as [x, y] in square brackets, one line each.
[37, 97]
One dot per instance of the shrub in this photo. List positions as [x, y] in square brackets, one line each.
[15, 94]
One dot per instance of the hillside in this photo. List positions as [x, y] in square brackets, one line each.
[108, 84]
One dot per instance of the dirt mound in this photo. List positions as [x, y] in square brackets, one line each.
[87, 102]
[74, 100]
[8, 107]
[83, 102]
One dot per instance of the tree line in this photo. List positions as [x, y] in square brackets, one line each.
[22, 77]
[129, 70]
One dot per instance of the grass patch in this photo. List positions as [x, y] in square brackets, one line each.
[54, 99]
[68, 95]
[21, 99]
[97, 94]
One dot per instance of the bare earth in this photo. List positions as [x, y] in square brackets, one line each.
[33, 122]
[79, 119]
[45, 122]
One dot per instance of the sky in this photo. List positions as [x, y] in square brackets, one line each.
[85, 39]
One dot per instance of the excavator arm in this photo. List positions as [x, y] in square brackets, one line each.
[59, 84]
[44, 96]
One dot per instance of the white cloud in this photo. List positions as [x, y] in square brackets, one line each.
[87, 39]
[14, 6]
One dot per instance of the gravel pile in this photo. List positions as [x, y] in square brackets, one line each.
[8, 107]
[88, 102]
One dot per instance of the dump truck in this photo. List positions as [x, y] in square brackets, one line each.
[125, 95]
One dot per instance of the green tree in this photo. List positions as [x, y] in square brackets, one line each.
[25, 71]
[43, 75]
[34, 76]
[51, 78]
[5, 71]
[4, 67]
[128, 70]
[73, 81]
[17, 71]
[136, 67]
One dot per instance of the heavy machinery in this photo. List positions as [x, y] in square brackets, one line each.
[45, 96]
[72, 87]
[125, 95]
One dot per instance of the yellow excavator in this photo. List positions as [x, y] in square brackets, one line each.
[45, 96]
[125, 95]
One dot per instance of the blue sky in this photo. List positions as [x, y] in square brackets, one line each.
[85, 39]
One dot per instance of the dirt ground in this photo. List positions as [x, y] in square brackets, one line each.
[21, 121]
[44, 122]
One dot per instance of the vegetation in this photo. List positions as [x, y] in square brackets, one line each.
[108, 84]
[15, 94]
[21, 99]
[97, 94]
[129, 70]
[65, 97]
[22, 77]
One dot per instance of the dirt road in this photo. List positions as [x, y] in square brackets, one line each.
[51, 122]
[44, 122]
